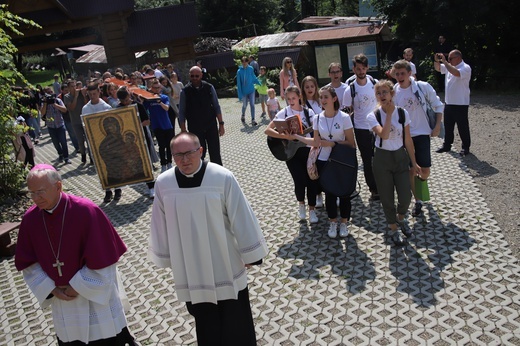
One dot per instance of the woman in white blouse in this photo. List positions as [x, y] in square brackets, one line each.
[332, 127]
[392, 158]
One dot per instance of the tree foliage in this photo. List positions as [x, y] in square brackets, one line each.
[482, 29]
[146, 4]
[11, 172]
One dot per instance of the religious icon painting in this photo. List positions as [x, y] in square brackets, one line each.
[118, 146]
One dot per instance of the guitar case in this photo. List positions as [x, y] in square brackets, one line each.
[339, 176]
[283, 149]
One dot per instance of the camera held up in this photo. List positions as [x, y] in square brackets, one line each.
[50, 99]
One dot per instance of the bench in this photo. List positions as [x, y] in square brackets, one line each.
[7, 249]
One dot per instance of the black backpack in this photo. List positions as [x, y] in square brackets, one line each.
[350, 83]
[402, 119]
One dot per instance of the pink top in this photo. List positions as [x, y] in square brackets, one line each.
[285, 82]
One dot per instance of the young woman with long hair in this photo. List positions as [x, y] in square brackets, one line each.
[288, 76]
[392, 158]
[297, 165]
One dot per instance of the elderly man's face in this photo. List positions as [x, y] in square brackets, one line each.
[44, 193]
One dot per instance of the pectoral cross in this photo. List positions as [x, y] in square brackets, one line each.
[58, 265]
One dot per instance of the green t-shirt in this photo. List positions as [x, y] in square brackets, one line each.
[262, 88]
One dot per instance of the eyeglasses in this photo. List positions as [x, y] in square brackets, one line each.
[194, 75]
[188, 155]
[288, 62]
[38, 193]
[335, 72]
[382, 93]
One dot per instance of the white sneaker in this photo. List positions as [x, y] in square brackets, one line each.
[302, 212]
[343, 230]
[319, 201]
[313, 218]
[333, 230]
[151, 193]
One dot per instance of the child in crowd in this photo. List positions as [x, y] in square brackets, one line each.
[272, 103]
[262, 89]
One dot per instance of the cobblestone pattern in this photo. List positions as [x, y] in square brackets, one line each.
[455, 283]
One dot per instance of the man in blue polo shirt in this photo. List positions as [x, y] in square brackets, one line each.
[161, 124]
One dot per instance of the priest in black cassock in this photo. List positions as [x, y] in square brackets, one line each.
[205, 230]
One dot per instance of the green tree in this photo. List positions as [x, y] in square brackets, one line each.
[237, 19]
[338, 8]
[11, 171]
[146, 4]
[483, 30]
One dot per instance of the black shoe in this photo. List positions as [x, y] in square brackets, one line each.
[117, 196]
[464, 152]
[398, 239]
[417, 210]
[407, 231]
[243, 119]
[108, 197]
[60, 158]
[83, 158]
[254, 123]
[443, 150]
[68, 162]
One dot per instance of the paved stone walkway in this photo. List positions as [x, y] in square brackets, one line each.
[456, 283]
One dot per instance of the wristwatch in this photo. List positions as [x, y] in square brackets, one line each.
[221, 123]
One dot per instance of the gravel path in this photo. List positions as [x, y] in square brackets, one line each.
[494, 163]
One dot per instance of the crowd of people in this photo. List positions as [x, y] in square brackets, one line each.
[202, 225]
[391, 125]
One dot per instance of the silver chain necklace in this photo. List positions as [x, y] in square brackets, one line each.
[56, 264]
[332, 124]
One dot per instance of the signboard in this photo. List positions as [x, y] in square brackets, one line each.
[118, 146]
[324, 56]
[368, 48]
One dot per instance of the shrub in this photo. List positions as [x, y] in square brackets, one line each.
[11, 172]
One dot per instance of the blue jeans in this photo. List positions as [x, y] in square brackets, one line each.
[59, 139]
[72, 135]
[34, 122]
[251, 98]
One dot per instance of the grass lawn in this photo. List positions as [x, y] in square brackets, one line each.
[44, 78]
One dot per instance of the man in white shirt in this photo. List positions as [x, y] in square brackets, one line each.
[360, 98]
[408, 56]
[336, 75]
[414, 96]
[457, 77]
[95, 105]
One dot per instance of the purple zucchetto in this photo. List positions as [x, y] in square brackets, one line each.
[42, 166]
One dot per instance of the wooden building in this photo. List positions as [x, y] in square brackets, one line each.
[113, 24]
